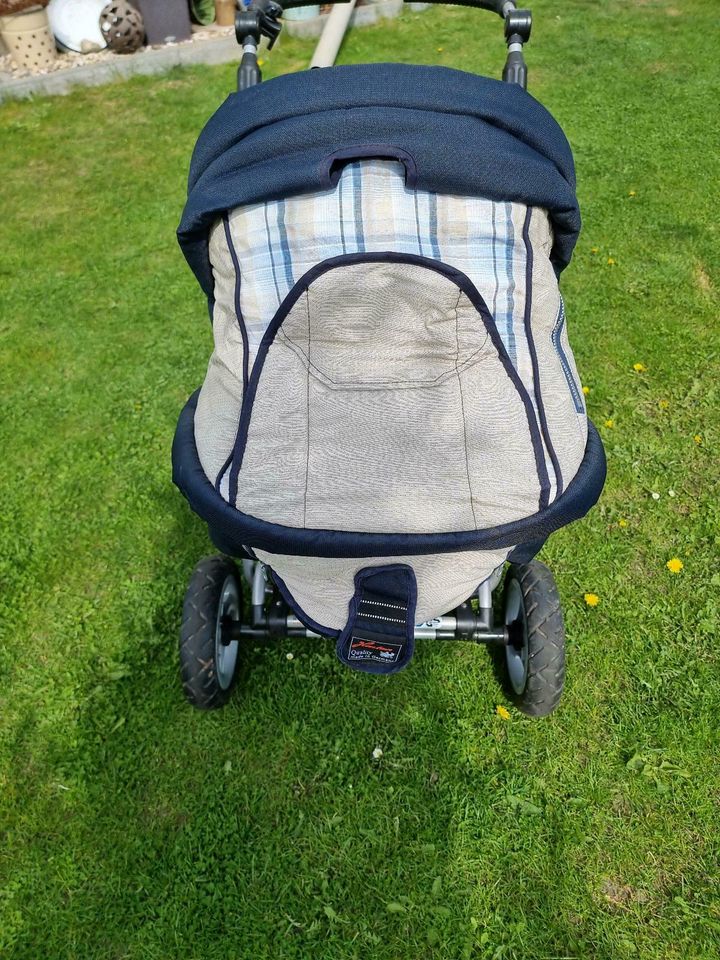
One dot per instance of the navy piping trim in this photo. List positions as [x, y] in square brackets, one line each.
[545, 491]
[238, 311]
[236, 527]
[223, 471]
[298, 611]
[331, 167]
[457, 277]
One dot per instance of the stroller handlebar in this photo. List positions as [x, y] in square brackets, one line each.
[262, 19]
[496, 6]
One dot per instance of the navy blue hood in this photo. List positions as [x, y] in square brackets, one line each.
[455, 132]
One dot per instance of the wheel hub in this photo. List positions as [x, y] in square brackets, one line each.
[516, 650]
[226, 653]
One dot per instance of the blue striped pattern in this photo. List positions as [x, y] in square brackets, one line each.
[371, 210]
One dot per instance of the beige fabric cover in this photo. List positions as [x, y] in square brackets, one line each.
[383, 404]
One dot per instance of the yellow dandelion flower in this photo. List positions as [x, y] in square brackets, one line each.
[622, 522]
[639, 367]
[586, 390]
[502, 712]
[609, 423]
[698, 439]
[632, 193]
[674, 565]
[663, 404]
[591, 599]
[594, 249]
[611, 261]
[440, 49]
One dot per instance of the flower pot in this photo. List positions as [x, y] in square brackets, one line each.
[28, 39]
[225, 11]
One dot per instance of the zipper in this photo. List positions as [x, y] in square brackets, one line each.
[564, 363]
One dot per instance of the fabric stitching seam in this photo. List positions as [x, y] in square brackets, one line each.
[462, 408]
[307, 459]
[347, 384]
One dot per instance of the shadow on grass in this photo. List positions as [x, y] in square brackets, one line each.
[268, 828]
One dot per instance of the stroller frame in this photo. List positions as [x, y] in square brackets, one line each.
[271, 616]
[531, 631]
[261, 19]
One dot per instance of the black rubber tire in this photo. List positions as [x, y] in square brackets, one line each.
[544, 634]
[197, 633]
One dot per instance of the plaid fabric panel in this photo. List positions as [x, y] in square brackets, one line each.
[371, 210]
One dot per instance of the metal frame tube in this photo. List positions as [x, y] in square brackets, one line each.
[332, 36]
[277, 620]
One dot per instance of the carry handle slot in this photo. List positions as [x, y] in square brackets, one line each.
[334, 164]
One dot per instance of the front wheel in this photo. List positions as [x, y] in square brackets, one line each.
[208, 663]
[535, 652]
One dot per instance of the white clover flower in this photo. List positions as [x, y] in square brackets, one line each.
[655, 496]
[377, 753]
[289, 656]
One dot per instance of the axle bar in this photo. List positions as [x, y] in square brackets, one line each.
[448, 627]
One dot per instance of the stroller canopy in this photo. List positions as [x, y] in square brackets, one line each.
[454, 132]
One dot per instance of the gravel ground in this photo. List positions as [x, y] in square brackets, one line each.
[68, 61]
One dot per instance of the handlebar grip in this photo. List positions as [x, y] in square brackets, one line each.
[515, 70]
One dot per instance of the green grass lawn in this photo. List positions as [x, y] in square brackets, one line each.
[134, 827]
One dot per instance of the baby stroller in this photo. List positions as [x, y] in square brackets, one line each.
[391, 417]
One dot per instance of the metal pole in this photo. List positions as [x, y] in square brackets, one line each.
[332, 35]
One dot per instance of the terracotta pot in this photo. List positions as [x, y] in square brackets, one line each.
[28, 38]
[225, 12]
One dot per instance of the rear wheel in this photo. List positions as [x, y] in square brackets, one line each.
[208, 663]
[535, 653]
